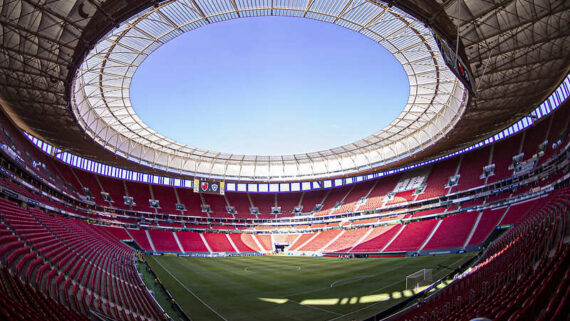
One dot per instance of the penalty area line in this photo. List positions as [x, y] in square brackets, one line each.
[368, 306]
[314, 307]
[190, 291]
[352, 279]
[374, 304]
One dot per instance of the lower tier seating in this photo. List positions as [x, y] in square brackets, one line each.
[522, 276]
[453, 231]
[19, 301]
[218, 242]
[72, 263]
[412, 237]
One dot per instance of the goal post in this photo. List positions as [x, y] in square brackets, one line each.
[418, 279]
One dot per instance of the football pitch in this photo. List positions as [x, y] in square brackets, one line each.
[291, 287]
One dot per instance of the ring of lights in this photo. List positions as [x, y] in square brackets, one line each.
[101, 104]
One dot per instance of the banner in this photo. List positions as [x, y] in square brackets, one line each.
[208, 187]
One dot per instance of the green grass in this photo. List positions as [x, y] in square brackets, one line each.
[291, 288]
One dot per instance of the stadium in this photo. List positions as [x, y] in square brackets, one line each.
[456, 209]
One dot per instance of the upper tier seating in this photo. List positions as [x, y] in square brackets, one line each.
[533, 138]
[402, 197]
[264, 203]
[88, 181]
[166, 197]
[240, 202]
[471, 169]
[503, 158]
[191, 201]
[376, 197]
[217, 205]
[288, 202]
[116, 189]
[32, 157]
[311, 199]
[439, 178]
[552, 128]
[333, 197]
[559, 122]
[140, 194]
[351, 201]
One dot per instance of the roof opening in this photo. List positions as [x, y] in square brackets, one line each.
[269, 86]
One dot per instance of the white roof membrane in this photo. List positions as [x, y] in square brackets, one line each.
[101, 103]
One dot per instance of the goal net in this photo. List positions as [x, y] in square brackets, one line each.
[418, 279]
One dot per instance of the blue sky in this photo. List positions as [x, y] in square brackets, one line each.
[269, 86]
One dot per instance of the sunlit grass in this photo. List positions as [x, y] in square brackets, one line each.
[373, 298]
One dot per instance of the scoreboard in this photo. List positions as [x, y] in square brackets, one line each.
[209, 187]
[455, 63]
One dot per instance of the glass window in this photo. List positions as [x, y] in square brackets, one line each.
[295, 187]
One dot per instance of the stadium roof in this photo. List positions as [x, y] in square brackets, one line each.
[516, 49]
[101, 101]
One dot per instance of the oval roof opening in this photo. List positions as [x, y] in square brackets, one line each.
[269, 86]
[436, 98]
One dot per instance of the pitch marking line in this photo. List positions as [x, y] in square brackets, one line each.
[314, 307]
[190, 291]
[368, 306]
[353, 279]
[374, 304]
[350, 280]
[296, 267]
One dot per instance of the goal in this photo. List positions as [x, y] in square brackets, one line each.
[418, 279]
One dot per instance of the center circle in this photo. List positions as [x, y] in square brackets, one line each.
[269, 86]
